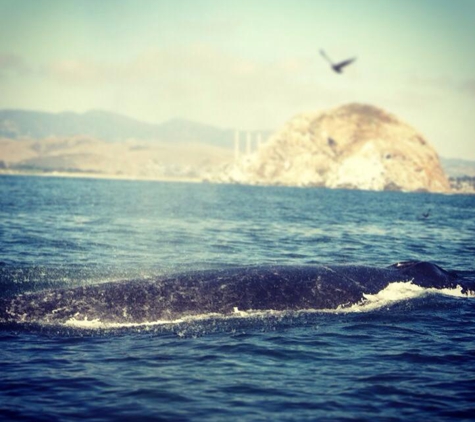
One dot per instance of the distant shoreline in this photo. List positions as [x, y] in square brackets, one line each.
[105, 176]
[86, 175]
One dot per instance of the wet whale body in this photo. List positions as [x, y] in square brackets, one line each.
[221, 292]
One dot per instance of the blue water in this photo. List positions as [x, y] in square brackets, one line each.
[411, 359]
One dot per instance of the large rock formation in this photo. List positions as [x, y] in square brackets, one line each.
[354, 146]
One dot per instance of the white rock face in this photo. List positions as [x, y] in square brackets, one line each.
[355, 146]
[363, 169]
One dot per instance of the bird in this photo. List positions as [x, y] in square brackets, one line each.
[337, 67]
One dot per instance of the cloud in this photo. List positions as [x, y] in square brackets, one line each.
[193, 63]
[195, 81]
[74, 72]
[13, 64]
[188, 72]
[468, 86]
[444, 83]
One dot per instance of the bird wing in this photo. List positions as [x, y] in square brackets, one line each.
[324, 55]
[344, 63]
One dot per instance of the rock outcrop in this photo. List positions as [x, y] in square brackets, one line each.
[354, 146]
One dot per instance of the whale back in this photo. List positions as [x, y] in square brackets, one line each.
[221, 292]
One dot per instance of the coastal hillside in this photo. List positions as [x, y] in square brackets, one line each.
[457, 168]
[110, 127]
[129, 159]
[355, 146]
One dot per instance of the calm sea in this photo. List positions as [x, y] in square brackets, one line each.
[409, 359]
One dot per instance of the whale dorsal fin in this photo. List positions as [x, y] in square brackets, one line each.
[404, 264]
[425, 267]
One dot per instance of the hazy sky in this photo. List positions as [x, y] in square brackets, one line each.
[245, 64]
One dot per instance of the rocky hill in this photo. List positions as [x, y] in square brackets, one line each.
[354, 146]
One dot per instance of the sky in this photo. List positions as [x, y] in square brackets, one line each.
[245, 64]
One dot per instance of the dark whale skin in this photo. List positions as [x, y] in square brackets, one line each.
[221, 292]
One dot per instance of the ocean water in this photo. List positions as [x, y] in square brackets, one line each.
[408, 356]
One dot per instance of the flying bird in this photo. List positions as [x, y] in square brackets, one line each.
[337, 67]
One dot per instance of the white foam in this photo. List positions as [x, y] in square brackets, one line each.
[97, 324]
[393, 293]
[399, 291]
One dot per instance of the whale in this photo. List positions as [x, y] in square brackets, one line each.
[223, 292]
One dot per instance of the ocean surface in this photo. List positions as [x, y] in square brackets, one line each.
[408, 357]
